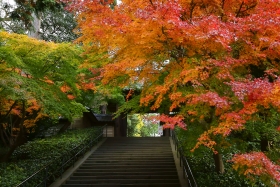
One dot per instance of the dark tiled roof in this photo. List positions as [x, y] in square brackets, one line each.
[103, 117]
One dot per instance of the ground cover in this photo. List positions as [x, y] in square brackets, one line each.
[33, 155]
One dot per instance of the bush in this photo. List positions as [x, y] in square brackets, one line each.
[204, 172]
[11, 174]
[203, 167]
[32, 156]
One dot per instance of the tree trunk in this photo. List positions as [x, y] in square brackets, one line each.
[219, 164]
[20, 139]
[266, 145]
[4, 139]
[35, 31]
[36, 24]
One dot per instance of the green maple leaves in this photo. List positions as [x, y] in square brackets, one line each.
[32, 69]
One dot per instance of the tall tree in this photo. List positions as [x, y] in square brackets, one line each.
[6, 22]
[44, 19]
[58, 25]
[214, 62]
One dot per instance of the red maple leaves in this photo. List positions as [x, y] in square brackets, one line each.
[196, 55]
[257, 163]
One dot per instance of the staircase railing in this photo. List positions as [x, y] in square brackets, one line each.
[57, 167]
[187, 173]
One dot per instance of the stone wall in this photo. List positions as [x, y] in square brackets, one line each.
[78, 124]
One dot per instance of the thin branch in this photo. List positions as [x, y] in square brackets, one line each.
[239, 11]
[8, 112]
[23, 116]
[192, 9]
[151, 3]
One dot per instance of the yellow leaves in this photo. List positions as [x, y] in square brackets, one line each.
[23, 43]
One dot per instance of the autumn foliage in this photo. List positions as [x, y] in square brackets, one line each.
[214, 62]
[257, 163]
[38, 80]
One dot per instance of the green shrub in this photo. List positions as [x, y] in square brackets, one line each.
[203, 168]
[32, 156]
[11, 174]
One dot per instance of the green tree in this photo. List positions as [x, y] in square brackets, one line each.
[6, 22]
[132, 122]
[58, 25]
[44, 19]
[38, 79]
[142, 125]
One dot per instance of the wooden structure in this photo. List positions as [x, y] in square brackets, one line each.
[116, 127]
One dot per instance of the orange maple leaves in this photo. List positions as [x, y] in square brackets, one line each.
[257, 163]
[196, 55]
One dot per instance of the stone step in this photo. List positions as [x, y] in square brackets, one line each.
[127, 156]
[120, 169]
[123, 176]
[143, 152]
[107, 174]
[145, 162]
[156, 146]
[134, 158]
[127, 166]
[156, 154]
[121, 181]
[142, 158]
[129, 161]
[125, 185]
[107, 148]
[132, 149]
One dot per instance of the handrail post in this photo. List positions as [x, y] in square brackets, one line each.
[46, 176]
[184, 173]
[61, 170]
[180, 158]
[187, 173]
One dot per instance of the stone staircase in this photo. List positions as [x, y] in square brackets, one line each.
[145, 162]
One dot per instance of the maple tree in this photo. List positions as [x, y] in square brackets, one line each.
[38, 80]
[216, 63]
